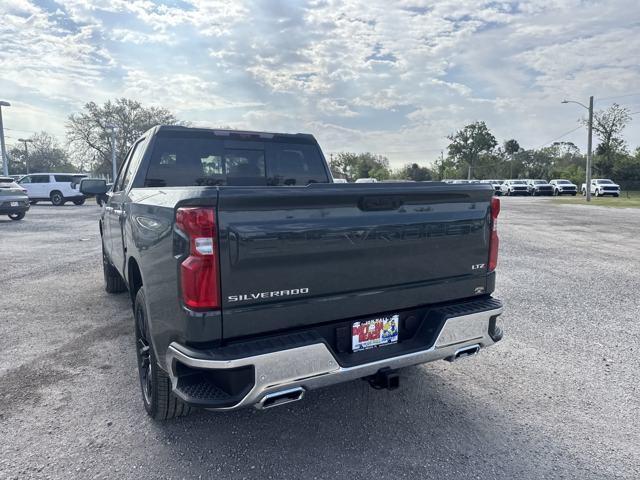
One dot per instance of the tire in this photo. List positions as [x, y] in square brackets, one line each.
[533, 193]
[113, 282]
[574, 194]
[79, 202]
[597, 194]
[616, 195]
[56, 198]
[16, 216]
[158, 398]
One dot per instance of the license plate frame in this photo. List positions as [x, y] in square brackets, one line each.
[374, 333]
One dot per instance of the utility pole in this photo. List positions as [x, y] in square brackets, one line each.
[589, 144]
[3, 149]
[113, 151]
[26, 151]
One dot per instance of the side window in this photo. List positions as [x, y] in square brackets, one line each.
[119, 182]
[63, 178]
[25, 180]
[134, 162]
[40, 179]
[294, 164]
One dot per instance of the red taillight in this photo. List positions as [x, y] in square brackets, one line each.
[493, 240]
[199, 271]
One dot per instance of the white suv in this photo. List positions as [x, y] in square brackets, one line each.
[57, 188]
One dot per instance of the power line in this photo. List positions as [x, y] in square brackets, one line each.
[561, 136]
[617, 96]
[18, 130]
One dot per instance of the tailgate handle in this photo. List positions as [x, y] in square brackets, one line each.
[377, 204]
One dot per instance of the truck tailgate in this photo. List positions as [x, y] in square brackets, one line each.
[297, 256]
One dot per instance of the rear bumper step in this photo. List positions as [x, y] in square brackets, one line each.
[282, 376]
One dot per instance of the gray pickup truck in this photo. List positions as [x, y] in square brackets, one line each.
[254, 278]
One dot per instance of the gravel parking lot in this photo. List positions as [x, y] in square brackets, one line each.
[557, 398]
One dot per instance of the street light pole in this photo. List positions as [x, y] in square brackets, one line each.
[589, 143]
[3, 149]
[26, 151]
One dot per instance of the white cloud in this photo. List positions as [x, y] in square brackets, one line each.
[392, 77]
[331, 106]
[138, 38]
[48, 59]
[180, 92]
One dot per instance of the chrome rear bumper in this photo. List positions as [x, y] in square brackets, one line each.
[314, 366]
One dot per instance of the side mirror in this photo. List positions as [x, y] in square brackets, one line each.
[93, 186]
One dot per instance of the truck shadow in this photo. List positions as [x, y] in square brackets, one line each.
[426, 428]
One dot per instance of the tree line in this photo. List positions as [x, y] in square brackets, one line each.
[472, 152]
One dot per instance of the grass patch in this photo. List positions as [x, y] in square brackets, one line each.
[625, 200]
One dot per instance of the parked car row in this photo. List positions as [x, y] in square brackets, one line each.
[534, 188]
[530, 187]
[557, 187]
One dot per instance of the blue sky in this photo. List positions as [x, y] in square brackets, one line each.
[389, 77]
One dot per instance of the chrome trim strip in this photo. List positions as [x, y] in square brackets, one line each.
[313, 366]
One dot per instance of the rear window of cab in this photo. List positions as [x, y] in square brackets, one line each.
[198, 159]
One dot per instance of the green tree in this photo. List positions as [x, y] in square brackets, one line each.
[627, 167]
[89, 136]
[467, 144]
[511, 146]
[44, 155]
[360, 165]
[608, 125]
[413, 171]
[445, 168]
[343, 165]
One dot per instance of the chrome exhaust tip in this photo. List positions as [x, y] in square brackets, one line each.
[281, 397]
[464, 353]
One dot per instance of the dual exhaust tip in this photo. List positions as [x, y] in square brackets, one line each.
[464, 353]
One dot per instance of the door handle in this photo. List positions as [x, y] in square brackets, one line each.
[118, 212]
[108, 209]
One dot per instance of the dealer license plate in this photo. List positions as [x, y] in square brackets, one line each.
[374, 333]
[15, 204]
